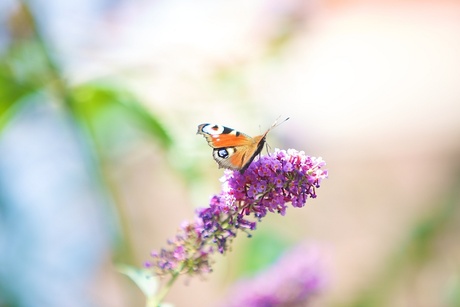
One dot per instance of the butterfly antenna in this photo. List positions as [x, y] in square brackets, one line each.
[276, 123]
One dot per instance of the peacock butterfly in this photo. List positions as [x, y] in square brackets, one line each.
[233, 149]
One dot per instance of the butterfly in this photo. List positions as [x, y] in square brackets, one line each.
[233, 149]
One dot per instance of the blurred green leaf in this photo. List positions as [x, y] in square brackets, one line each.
[23, 71]
[264, 248]
[109, 108]
[152, 303]
[143, 278]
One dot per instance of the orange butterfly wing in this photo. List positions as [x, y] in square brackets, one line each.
[244, 155]
[220, 136]
[232, 149]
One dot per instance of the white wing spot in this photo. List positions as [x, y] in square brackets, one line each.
[213, 129]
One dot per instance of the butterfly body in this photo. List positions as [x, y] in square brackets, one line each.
[232, 149]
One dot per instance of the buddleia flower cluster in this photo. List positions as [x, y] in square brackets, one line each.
[293, 280]
[270, 184]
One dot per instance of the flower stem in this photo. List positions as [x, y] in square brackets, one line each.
[157, 299]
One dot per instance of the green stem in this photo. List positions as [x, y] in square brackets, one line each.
[156, 300]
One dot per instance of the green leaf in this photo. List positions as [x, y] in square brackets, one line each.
[262, 250]
[97, 101]
[22, 73]
[143, 278]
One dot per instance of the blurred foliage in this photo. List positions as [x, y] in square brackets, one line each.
[259, 253]
[22, 73]
[453, 295]
[101, 111]
[143, 278]
[107, 109]
[415, 252]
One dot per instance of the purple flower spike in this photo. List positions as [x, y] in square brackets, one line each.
[268, 185]
[292, 281]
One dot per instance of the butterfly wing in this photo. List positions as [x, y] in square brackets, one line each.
[232, 149]
[239, 157]
[219, 136]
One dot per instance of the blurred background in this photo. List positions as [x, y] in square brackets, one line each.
[99, 161]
